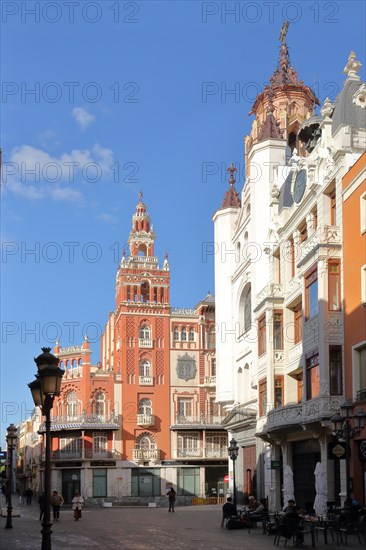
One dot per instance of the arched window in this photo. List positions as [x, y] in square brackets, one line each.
[176, 334]
[248, 310]
[99, 403]
[80, 362]
[145, 442]
[184, 334]
[145, 407]
[73, 363]
[145, 332]
[191, 334]
[71, 404]
[145, 368]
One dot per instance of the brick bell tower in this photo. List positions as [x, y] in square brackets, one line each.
[141, 345]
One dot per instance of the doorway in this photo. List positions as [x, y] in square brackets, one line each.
[70, 484]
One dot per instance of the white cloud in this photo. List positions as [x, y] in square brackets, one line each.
[107, 218]
[82, 117]
[34, 174]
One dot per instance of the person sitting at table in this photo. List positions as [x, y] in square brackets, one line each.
[228, 510]
[293, 520]
[257, 514]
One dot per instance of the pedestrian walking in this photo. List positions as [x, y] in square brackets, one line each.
[77, 506]
[42, 505]
[28, 496]
[171, 494]
[56, 503]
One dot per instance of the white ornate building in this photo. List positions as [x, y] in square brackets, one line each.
[278, 284]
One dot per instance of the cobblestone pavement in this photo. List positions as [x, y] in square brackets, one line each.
[189, 528]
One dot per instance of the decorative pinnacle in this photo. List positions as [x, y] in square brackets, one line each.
[141, 195]
[284, 30]
[232, 171]
[166, 255]
[124, 253]
[352, 67]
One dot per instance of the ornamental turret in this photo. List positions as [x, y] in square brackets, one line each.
[283, 105]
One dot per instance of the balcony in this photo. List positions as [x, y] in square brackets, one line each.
[146, 381]
[145, 455]
[201, 453]
[324, 236]
[210, 381]
[271, 292]
[83, 422]
[294, 290]
[315, 410]
[198, 422]
[146, 420]
[145, 343]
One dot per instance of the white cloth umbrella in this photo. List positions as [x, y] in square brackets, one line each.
[320, 502]
[288, 485]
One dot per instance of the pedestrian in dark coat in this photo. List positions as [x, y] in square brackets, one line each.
[171, 494]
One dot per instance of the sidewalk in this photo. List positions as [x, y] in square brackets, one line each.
[189, 528]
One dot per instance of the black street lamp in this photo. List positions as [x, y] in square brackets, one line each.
[233, 452]
[44, 388]
[11, 440]
[344, 431]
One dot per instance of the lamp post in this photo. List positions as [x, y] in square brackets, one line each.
[11, 440]
[344, 431]
[233, 452]
[44, 388]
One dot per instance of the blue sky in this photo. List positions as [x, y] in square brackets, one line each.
[130, 96]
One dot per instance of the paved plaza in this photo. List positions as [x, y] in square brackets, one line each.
[189, 528]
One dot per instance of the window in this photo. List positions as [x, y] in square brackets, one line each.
[70, 447]
[71, 404]
[184, 334]
[303, 232]
[262, 397]
[363, 212]
[278, 330]
[359, 371]
[334, 290]
[191, 334]
[298, 324]
[312, 377]
[333, 208]
[262, 335]
[213, 367]
[145, 442]
[145, 291]
[176, 334]
[248, 310]
[211, 338]
[145, 368]
[278, 392]
[144, 332]
[100, 440]
[99, 403]
[300, 388]
[363, 285]
[184, 406]
[188, 444]
[335, 370]
[311, 294]
[145, 407]
[216, 445]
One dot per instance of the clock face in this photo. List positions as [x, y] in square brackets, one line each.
[299, 186]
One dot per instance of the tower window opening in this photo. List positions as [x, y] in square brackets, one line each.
[145, 292]
[292, 141]
[142, 250]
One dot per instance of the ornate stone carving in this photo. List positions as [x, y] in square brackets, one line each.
[352, 67]
[186, 367]
[327, 109]
[359, 98]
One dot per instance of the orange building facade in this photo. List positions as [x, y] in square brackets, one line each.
[354, 280]
[144, 418]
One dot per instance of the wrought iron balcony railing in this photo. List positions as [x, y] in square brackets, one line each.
[141, 455]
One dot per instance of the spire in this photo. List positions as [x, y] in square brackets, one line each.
[142, 236]
[231, 198]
